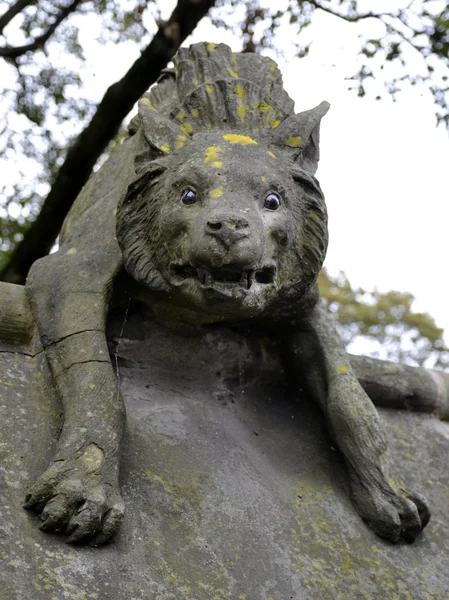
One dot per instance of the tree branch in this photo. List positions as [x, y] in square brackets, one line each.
[82, 156]
[350, 18]
[39, 42]
[12, 11]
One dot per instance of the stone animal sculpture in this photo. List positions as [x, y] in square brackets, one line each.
[211, 205]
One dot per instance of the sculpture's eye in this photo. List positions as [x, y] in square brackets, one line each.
[272, 201]
[188, 196]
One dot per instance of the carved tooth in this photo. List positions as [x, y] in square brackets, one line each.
[201, 275]
[251, 276]
[208, 279]
[244, 279]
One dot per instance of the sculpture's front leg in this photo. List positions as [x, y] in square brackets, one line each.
[69, 293]
[79, 492]
[319, 360]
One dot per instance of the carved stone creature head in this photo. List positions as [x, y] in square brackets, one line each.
[224, 215]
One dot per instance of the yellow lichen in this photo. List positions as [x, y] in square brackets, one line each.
[209, 89]
[147, 102]
[264, 179]
[272, 154]
[232, 73]
[275, 123]
[180, 142]
[293, 142]
[187, 128]
[195, 113]
[212, 153]
[211, 47]
[342, 369]
[240, 91]
[181, 115]
[92, 459]
[235, 138]
[242, 110]
[217, 192]
[72, 251]
[165, 148]
[264, 107]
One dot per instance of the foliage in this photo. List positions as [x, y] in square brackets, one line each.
[388, 319]
[43, 105]
[413, 35]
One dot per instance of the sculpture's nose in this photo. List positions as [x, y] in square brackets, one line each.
[227, 228]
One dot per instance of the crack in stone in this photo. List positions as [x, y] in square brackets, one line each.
[83, 362]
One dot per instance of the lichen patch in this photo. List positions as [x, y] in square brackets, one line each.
[180, 141]
[211, 155]
[264, 107]
[293, 142]
[235, 138]
[242, 110]
[217, 192]
[147, 102]
[187, 128]
[239, 90]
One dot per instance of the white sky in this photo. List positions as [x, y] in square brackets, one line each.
[384, 165]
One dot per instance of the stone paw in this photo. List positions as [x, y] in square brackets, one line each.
[76, 500]
[393, 514]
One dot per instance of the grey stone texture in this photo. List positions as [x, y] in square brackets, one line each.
[232, 486]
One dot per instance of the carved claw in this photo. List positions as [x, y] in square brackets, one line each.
[391, 514]
[76, 501]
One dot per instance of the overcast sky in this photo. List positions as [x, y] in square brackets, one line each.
[384, 165]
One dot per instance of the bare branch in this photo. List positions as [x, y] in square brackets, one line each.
[82, 156]
[351, 18]
[39, 42]
[12, 11]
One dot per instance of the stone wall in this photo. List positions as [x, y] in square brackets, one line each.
[232, 486]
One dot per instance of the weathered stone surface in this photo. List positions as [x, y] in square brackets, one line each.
[232, 488]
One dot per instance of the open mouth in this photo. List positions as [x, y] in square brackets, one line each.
[225, 275]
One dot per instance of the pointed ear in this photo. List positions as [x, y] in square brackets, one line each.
[300, 134]
[163, 136]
